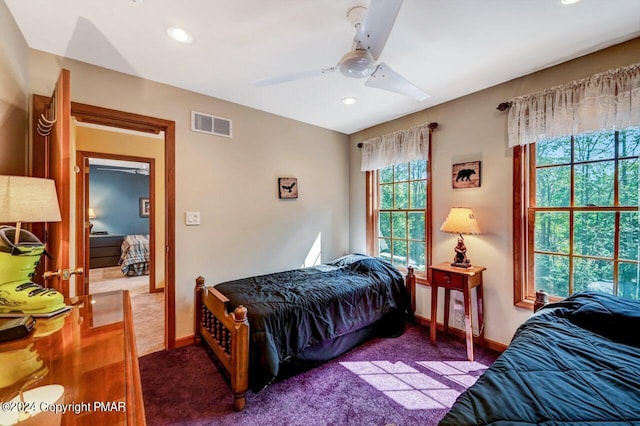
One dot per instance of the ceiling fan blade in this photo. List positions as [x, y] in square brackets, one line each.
[293, 76]
[373, 32]
[387, 79]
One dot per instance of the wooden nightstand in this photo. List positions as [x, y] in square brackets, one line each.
[461, 279]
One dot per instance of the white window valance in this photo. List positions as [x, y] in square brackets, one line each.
[605, 101]
[395, 148]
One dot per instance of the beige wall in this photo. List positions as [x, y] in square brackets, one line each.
[470, 128]
[114, 142]
[14, 96]
[246, 229]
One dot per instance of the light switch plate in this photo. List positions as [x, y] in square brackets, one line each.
[192, 218]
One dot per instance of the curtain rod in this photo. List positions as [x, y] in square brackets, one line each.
[504, 106]
[432, 127]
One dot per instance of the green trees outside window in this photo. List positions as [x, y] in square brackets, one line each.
[584, 213]
[402, 214]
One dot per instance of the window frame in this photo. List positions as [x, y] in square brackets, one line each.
[524, 197]
[373, 196]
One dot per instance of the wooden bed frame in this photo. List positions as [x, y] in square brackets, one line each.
[227, 334]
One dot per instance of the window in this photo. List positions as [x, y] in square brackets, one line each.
[399, 218]
[576, 224]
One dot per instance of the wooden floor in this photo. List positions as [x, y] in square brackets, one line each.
[148, 308]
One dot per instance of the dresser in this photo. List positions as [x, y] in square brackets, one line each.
[82, 364]
[104, 250]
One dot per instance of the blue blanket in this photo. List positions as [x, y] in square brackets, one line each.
[574, 362]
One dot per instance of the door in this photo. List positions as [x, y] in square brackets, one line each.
[52, 159]
[44, 164]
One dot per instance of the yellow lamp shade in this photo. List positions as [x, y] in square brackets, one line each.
[461, 220]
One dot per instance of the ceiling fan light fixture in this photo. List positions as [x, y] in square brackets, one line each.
[357, 64]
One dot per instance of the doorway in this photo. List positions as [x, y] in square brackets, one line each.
[121, 245]
[130, 121]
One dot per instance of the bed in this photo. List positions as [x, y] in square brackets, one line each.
[261, 328]
[574, 362]
[134, 257]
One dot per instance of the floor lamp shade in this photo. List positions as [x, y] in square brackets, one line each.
[28, 199]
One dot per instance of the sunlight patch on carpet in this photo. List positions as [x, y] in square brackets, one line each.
[421, 381]
[363, 367]
[445, 397]
[415, 390]
[394, 367]
[414, 400]
[463, 379]
[385, 382]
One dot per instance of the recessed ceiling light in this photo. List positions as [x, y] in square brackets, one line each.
[178, 34]
[569, 1]
[349, 100]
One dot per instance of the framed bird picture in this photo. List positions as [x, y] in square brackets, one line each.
[288, 187]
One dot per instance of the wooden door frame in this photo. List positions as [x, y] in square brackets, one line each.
[126, 120]
[51, 160]
[82, 207]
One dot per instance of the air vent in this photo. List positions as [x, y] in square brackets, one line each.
[206, 123]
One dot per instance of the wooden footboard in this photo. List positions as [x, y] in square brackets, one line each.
[227, 334]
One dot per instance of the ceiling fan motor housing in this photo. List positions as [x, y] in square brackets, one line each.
[357, 64]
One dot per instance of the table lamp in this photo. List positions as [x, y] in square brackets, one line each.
[28, 199]
[461, 220]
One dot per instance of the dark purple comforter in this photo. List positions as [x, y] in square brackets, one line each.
[294, 310]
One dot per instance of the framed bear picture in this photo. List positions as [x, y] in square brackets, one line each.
[466, 175]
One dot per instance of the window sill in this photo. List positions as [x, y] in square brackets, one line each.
[526, 304]
[422, 279]
[421, 276]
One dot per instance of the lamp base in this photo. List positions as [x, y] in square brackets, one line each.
[460, 260]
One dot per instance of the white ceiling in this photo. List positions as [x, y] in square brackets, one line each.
[448, 48]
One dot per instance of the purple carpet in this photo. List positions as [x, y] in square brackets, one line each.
[402, 381]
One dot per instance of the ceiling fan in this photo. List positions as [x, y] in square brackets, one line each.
[373, 25]
[141, 171]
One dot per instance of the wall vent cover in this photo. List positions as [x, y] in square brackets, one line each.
[207, 123]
